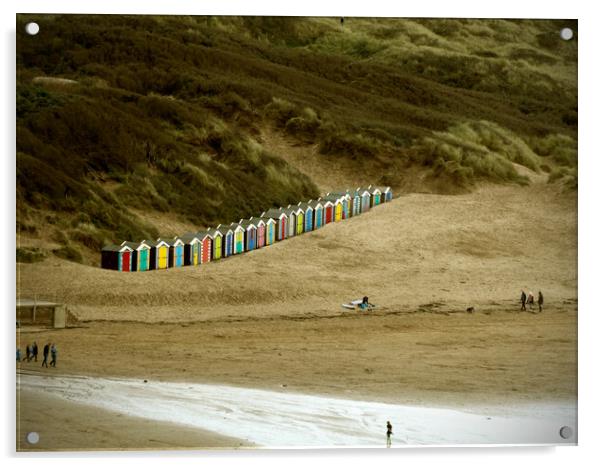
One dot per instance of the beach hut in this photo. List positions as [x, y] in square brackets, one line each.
[308, 215]
[345, 203]
[159, 254]
[271, 226]
[238, 245]
[356, 203]
[295, 220]
[318, 213]
[176, 252]
[375, 194]
[328, 211]
[386, 193]
[192, 248]
[206, 246]
[281, 219]
[140, 255]
[366, 199]
[260, 227]
[117, 257]
[337, 202]
[217, 239]
[250, 236]
[227, 240]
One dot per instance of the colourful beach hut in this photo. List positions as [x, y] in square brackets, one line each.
[260, 228]
[176, 252]
[328, 211]
[206, 246]
[318, 213]
[356, 203]
[345, 202]
[117, 257]
[192, 248]
[238, 245]
[375, 196]
[295, 220]
[366, 199]
[217, 239]
[140, 255]
[281, 219]
[227, 240]
[159, 254]
[386, 193]
[337, 202]
[271, 227]
[308, 215]
[250, 235]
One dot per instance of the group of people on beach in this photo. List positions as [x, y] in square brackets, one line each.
[31, 354]
[530, 300]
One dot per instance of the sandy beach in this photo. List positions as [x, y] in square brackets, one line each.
[272, 319]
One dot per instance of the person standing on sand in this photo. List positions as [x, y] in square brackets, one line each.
[389, 433]
[540, 301]
[34, 351]
[45, 353]
[18, 354]
[523, 299]
[530, 300]
[53, 355]
[28, 353]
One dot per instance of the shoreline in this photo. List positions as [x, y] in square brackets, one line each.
[276, 419]
[65, 426]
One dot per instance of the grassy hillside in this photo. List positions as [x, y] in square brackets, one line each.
[118, 115]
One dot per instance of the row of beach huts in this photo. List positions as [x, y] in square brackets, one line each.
[246, 235]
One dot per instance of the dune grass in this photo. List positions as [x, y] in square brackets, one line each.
[146, 114]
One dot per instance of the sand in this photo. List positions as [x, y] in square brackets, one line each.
[271, 319]
[64, 425]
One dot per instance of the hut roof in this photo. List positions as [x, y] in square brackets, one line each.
[175, 241]
[213, 232]
[156, 243]
[117, 248]
[314, 204]
[305, 206]
[190, 237]
[246, 223]
[136, 246]
[224, 229]
[273, 213]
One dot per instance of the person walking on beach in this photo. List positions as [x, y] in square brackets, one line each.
[53, 355]
[18, 354]
[389, 433]
[523, 300]
[540, 301]
[34, 351]
[45, 353]
[28, 353]
[530, 300]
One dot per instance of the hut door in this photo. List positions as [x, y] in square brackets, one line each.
[328, 214]
[217, 247]
[162, 259]
[240, 242]
[282, 232]
[143, 260]
[338, 213]
[195, 253]
[260, 236]
[299, 224]
[125, 261]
